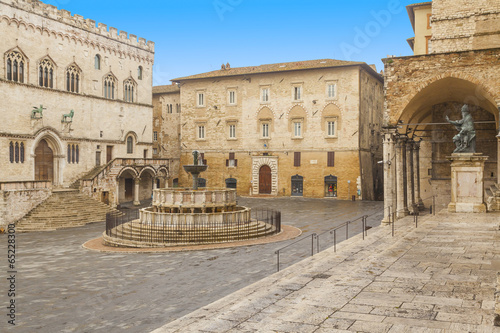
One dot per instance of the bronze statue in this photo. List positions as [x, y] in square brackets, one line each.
[465, 140]
[37, 110]
[195, 157]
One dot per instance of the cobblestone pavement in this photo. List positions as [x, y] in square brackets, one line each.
[62, 287]
[439, 277]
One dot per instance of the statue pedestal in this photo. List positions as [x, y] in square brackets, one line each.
[467, 185]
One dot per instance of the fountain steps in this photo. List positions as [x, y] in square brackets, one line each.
[130, 236]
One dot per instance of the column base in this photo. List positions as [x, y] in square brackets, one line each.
[460, 207]
[421, 205]
[137, 203]
[386, 221]
[402, 214]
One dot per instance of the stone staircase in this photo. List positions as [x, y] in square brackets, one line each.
[89, 175]
[135, 234]
[65, 208]
[492, 197]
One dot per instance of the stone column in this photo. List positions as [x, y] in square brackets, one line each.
[416, 165]
[410, 172]
[137, 183]
[498, 159]
[400, 178]
[389, 175]
[155, 185]
[405, 175]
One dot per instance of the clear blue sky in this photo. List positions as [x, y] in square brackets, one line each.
[196, 36]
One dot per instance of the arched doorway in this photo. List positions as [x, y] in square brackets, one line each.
[331, 186]
[265, 180]
[44, 162]
[231, 183]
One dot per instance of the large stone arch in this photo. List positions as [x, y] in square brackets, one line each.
[447, 88]
[54, 142]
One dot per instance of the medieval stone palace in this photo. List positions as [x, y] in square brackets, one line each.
[75, 97]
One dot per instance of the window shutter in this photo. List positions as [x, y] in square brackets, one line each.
[227, 163]
[231, 156]
[235, 163]
[331, 158]
[296, 159]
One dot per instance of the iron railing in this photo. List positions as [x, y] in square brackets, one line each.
[127, 226]
[329, 238]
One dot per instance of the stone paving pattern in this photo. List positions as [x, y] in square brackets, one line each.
[63, 287]
[439, 277]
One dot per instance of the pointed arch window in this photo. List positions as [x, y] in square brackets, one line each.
[73, 155]
[46, 73]
[16, 152]
[129, 88]
[139, 72]
[109, 87]
[15, 66]
[73, 75]
[130, 145]
[97, 61]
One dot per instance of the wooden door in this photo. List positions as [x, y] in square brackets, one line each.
[44, 162]
[109, 153]
[265, 180]
[129, 189]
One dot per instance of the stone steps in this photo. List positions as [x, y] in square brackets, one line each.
[129, 235]
[64, 209]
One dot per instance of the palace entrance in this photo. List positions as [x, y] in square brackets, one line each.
[44, 162]
[265, 180]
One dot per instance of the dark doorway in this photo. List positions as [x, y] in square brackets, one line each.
[231, 183]
[297, 186]
[265, 180]
[109, 153]
[44, 162]
[330, 186]
[129, 189]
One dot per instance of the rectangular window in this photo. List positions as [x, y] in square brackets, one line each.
[155, 136]
[331, 159]
[155, 151]
[297, 129]
[264, 95]
[331, 91]
[232, 161]
[232, 131]
[429, 21]
[201, 99]
[232, 97]
[296, 159]
[201, 132]
[297, 93]
[331, 128]
[265, 130]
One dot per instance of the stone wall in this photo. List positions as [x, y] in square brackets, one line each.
[459, 25]
[406, 80]
[15, 204]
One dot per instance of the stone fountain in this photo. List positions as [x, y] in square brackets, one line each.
[196, 168]
[191, 216]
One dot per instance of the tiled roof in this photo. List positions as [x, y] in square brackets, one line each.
[280, 67]
[171, 88]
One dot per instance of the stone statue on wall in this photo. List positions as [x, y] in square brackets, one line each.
[465, 140]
